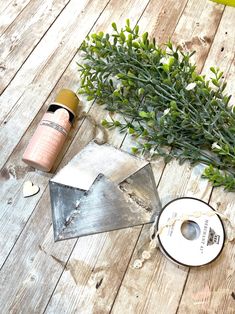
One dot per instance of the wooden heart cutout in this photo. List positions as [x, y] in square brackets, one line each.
[29, 189]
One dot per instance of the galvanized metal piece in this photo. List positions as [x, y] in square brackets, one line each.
[102, 189]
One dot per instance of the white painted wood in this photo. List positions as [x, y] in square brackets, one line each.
[39, 299]
[159, 284]
[31, 271]
[9, 10]
[94, 273]
[212, 286]
[59, 300]
[161, 291]
[163, 24]
[196, 36]
[23, 35]
[222, 54]
[39, 74]
[14, 209]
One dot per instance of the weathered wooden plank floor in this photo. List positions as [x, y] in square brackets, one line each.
[38, 45]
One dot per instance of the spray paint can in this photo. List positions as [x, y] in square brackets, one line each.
[52, 131]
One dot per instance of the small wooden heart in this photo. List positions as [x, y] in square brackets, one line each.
[29, 189]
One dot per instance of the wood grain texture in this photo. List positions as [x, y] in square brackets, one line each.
[94, 274]
[9, 10]
[14, 209]
[77, 302]
[159, 277]
[84, 137]
[209, 289]
[198, 29]
[162, 25]
[39, 74]
[31, 271]
[222, 53]
[23, 35]
[15, 172]
[176, 181]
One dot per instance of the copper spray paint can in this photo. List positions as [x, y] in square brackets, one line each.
[52, 131]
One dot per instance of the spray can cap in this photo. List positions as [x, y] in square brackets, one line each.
[69, 99]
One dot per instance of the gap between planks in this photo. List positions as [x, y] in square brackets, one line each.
[202, 68]
[13, 9]
[110, 21]
[19, 56]
[63, 152]
[132, 251]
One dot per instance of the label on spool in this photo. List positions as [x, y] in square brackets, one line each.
[196, 237]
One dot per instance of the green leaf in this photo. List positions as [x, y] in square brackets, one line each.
[114, 26]
[91, 97]
[173, 105]
[136, 29]
[147, 146]
[151, 81]
[213, 70]
[135, 44]
[140, 91]
[104, 123]
[151, 123]
[166, 68]
[122, 36]
[116, 93]
[144, 114]
[171, 61]
[215, 82]
[134, 150]
[131, 131]
[117, 123]
[145, 36]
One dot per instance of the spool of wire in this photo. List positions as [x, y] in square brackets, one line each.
[197, 235]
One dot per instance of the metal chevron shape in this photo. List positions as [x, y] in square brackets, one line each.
[108, 204]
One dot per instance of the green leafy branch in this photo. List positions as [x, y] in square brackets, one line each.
[163, 100]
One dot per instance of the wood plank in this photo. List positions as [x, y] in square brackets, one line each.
[222, 54]
[39, 74]
[158, 277]
[21, 295]
[79, 303]
[163, 24]
[9, 10]
[59, 300]
[196, 36]
[157, 287]
[100, 299]
[97, 262]
[212, 286]
[85, 130]
[32, 270]
[23, 35]
[16, 172]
